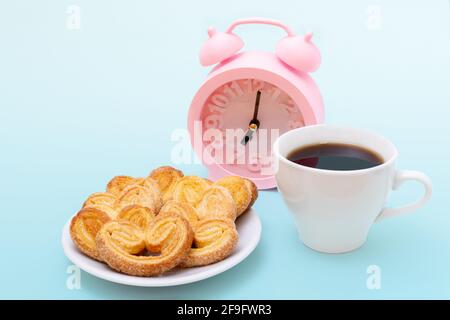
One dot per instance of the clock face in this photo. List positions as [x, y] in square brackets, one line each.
[241, 120]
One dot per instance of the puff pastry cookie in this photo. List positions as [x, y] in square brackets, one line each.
[126, 248]
[84, 228]
[241, 191]
[146, 226]
[254, 190]
[214, 240]
[190, 189]
[137, 194]
[137, 215]
[166, 177]
[103, 201]
[117, 184]
[182, 208]
[217, 202]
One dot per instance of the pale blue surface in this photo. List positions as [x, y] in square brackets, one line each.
[78, 107]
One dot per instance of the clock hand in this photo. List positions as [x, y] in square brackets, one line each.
[255, 111]
[254, 123]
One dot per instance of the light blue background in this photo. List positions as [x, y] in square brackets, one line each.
[78, 107]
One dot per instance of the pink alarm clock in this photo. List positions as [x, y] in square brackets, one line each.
[249, 98]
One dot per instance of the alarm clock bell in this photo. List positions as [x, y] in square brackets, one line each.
[297, 51]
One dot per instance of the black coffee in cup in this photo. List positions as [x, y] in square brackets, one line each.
[335, 156]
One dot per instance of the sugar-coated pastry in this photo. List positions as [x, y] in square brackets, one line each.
[190, 189]
[84, 228]
[214, 240]
[241, 191]
[100, 198]
[136, 194]
[147, 226]
[155, 190]
[120, 236]
[111, 211]
[137, 215]
[166, 177]
[127, 249]
[117, 184]
[121, 183]
[254, 190]
[182, 208]
[103, 201]
[217, 202]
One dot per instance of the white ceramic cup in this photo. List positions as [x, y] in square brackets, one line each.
[334, 210]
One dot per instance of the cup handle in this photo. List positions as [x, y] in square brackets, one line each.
[400, 177]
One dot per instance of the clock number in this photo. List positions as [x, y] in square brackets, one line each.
[293, 124]
[234, 154]
[288, 108]
[227, 90]
[213, 121]
[233, 90]
[267, 165]
[253, 85]
[248, 85]
[258, 85]
[213, 139]
[239, 155]
[253, 164]
[219, 100]
[237, 88]
[261, 164]
[275, 93]
[214, 108]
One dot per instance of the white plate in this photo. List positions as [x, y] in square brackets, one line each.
[249, 229]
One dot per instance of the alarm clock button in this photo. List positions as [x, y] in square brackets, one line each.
[220, 46]
[299, 52]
